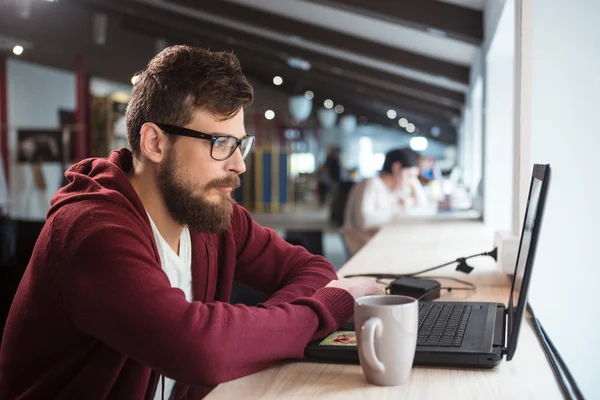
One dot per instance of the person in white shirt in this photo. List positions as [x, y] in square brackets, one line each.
[376, 201]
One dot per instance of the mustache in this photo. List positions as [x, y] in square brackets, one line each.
[232, 181]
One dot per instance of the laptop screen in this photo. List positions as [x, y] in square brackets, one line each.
[533, 214]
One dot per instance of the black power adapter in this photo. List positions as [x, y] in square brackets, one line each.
[422, 289]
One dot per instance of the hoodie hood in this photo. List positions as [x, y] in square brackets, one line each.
[99, 179]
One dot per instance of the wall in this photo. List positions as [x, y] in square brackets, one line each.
[473, 136]
[491, 18]
[101, 87]
[35, 94]
[477, 136]
[499, 123]
[563, 66]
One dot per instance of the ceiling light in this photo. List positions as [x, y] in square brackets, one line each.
[134, 79]
[410, 128]
[403, 122]
[269, 114]
[18, 50]
[100, 28]
[328, 103]
[309, 94]
[277, 80]
[391, 114]
[435, 131]
[419, 143]
[339, 109]
[299, 63]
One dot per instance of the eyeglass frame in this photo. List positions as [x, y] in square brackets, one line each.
[181, 131]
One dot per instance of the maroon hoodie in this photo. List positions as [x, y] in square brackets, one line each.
[95, 316]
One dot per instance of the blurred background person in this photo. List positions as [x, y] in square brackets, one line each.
[377, 201]
[323, 184]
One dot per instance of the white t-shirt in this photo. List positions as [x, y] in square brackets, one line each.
[178, 268]
[372, 204]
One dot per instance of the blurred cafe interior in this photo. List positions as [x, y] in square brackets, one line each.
[478, 91]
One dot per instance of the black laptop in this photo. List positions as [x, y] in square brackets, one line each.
[467, 334]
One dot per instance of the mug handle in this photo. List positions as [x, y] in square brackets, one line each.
[372, 327]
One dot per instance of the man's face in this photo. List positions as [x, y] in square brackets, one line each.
[196, 188]
[403, 176]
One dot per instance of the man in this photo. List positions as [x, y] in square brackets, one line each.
[376, 201]
[126, 293]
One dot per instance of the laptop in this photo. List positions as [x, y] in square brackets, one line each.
[464, 334]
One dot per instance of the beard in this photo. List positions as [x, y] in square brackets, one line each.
[194, 210]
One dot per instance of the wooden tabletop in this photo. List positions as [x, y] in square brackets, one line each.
[405, 247]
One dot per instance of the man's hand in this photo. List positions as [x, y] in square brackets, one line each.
[357, 287]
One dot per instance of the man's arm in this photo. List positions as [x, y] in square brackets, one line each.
[419, 194]
[114, 289]
[274, 267]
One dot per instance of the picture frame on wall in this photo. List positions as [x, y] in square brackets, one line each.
[39, 145]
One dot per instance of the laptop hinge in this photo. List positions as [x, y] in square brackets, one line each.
[503, 348]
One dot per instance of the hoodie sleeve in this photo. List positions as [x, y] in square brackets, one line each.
[113, 289]
[273, 266]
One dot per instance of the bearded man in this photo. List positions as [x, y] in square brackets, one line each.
[126, 294]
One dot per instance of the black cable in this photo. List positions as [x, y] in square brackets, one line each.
[559, 367]
[387, 285]
[461, 265]
[469, 285]
[378, 280]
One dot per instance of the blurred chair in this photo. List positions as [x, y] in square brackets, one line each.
[8, 241]
[311, 240]
[338, 202]
[17, 240]
[242, 294]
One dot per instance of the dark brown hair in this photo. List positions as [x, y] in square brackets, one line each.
[180, 80]
[405, 156]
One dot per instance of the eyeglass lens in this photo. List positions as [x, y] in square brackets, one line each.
[224, 147]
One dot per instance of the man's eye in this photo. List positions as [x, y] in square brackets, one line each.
[221, 142]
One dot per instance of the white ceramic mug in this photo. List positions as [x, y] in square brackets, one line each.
[386, 332]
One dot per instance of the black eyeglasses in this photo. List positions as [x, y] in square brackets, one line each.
[221, 146]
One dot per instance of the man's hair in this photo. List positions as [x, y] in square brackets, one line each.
[407, 157]
[181, 79]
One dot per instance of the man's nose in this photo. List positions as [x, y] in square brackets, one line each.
[236, 163]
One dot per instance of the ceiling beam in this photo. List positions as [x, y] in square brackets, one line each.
[276, 65]
[319, 83]
[364, 104]
[373, 114]
[328, 37]
[436, 17]
[267, 48]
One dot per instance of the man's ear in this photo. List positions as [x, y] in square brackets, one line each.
[154, 143]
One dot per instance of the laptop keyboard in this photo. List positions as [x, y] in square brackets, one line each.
[442, 324]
